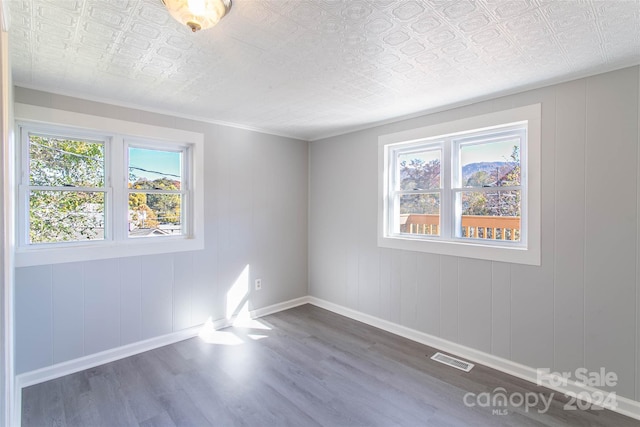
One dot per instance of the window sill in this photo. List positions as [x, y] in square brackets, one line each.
[103, 250]
[474, 249]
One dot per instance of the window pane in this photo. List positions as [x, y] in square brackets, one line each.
[420, 170]
[154, 169]
[420, 214]
[152, 214]
[491, 164]
[65, 216]
[490, 215]
[58, 162]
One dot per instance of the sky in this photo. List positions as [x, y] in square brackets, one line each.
[493, 152]
[167, 163]
[427, 156]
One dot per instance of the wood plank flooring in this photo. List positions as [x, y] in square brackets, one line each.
[308, 367]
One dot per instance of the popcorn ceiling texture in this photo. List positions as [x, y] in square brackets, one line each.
[314, 68]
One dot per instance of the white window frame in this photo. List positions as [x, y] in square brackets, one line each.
[185, 182]
[24, 185]
[118, 135]
[394, 178]
[447, 136]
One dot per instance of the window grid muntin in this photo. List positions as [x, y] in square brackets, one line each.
[513, 131]
[184, 192]
[451, 172]
[25, 188]
[396, 193]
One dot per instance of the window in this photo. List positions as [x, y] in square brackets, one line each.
[417, 189]
[90, 193]
[66, 191]
[487, 190]
[467, 188]
[157, 191]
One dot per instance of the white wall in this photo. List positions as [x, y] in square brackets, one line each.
[6, 223]
[256, 202]
[580, 308]
[3, 113]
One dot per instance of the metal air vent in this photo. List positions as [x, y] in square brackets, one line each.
[452, 361]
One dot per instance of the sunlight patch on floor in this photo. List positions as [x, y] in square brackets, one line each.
[257, 337]
[249, 323]
[210, 335]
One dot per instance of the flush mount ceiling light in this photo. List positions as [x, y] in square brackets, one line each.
[198, 14]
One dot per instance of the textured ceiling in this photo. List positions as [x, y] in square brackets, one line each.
[312, 68]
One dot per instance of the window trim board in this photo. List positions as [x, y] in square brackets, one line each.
[523, 254]
[44, 118]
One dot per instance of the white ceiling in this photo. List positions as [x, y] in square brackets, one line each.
[313, 68]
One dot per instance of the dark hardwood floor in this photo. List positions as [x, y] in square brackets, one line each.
[310, 367]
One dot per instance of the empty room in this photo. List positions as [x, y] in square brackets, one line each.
[320, 213]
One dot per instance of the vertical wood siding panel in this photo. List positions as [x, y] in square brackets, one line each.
[157, 295]
[353, 260]
[474, 303]
[327, 225]
[369, 281]
[408, 289]
[570, 226]
[279, 165]
[611, 153]
[638, 254]
[101, 305]
[68, 311]
[205, 302]
[130, 300]
[385, 282]
[449, 298]
[429, 293]
[33, 316]
[367, 201]
[182, 284]
[236, 216]
[532, 315]
[501, 309]
[395, 301]
[532, 286]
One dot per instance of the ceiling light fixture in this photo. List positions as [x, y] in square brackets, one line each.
[198, 14]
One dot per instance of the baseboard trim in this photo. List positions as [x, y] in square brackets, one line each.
[625, 406]
[86, 362]
[91, 361]
[275, 308]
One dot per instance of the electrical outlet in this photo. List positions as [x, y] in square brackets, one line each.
[258, 284]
